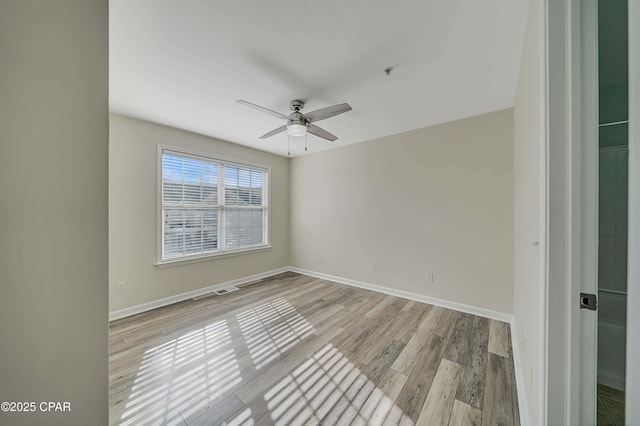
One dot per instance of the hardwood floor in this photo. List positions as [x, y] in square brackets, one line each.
[293, 349]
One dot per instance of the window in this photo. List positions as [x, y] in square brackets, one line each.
[210, 206]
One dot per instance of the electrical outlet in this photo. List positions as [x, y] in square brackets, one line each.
[120, 288]
[374, 268]
[429, 277]
[321, 260]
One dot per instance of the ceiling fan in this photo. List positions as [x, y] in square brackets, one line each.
[298, 124]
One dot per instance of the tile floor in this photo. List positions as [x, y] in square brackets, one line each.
[610, 406]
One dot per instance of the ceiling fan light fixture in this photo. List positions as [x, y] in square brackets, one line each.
[297, 129]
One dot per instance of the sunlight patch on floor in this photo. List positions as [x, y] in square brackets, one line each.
[271, 329]
[183, 375]
[328, 387]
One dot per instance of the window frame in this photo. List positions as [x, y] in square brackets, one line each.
[160, 261]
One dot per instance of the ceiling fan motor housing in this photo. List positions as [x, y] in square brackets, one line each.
[296, 105]
[297, 118]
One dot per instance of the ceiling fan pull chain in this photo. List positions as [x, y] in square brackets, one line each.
[305, 142]
[289, 145]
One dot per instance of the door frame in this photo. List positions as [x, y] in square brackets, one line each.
[572, 221]
[572, 200]
[584, 358]
[632, 380]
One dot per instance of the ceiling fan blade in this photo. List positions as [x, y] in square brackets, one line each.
[322, 113]
[320, 132]
[274, 132]
[263, 109]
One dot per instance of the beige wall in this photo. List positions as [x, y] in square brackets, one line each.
[438, 199]
[529, 209]
[133, 215]
[53, 208]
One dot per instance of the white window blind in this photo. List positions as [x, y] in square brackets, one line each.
[210, 206]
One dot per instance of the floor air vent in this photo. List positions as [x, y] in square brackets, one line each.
[225, 290]
[219, 292]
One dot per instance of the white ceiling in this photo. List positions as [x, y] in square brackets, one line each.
[185, 63]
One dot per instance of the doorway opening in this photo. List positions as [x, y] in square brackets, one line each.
[613, 105]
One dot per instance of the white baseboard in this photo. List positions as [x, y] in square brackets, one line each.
[523, 404]
[133, 310]
[612, 380]
[474, 310]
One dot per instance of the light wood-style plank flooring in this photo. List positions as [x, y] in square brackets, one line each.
[297, 350]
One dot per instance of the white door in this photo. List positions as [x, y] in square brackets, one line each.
[633, 278]
[585, 220]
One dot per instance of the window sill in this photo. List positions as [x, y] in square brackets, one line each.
[195, 259]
